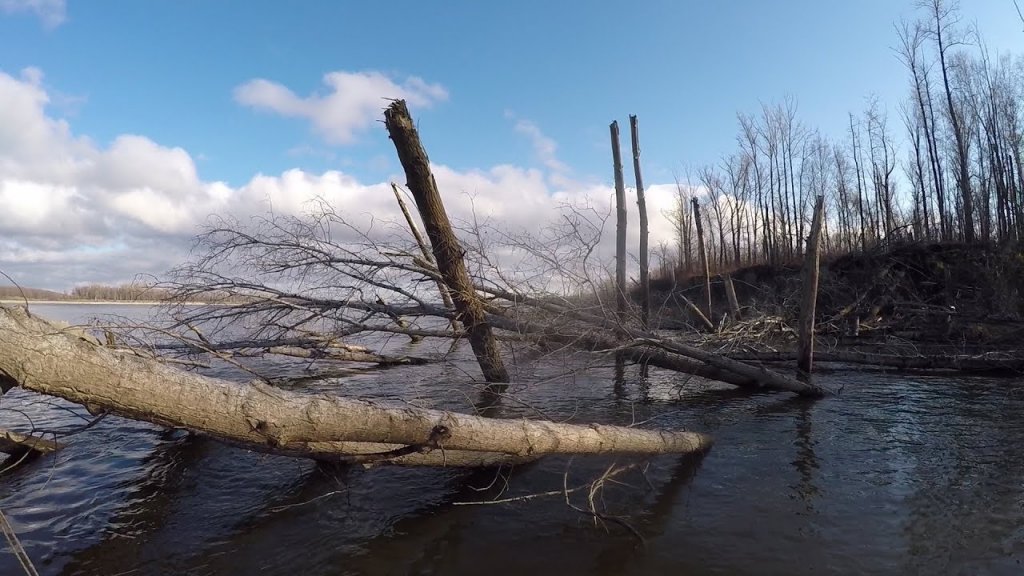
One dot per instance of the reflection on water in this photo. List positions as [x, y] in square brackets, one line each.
[895, 475]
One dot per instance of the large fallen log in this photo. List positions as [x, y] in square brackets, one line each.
[43, 357]
[646, 347]
[986, 362]
[294, 347]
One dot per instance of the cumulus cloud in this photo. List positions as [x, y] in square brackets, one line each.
[51, 12]
[544, 148]
[354, 100]
[73, 211]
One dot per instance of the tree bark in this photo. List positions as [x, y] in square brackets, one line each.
[345, 355]
[702, 249]
[447, 251]
[730, 294]
[974, 363]
[620, 226]
[40, 356]
[648, 348]
[17, 444]
[641, 202]
[446, 297]
[805, 344]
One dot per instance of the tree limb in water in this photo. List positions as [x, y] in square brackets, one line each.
[43, 357]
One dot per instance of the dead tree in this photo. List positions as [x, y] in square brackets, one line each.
[703, 251]
[641, 202]
[46, 358]
[620, 225]
[447, 251]
[730, 294]
[805, 346]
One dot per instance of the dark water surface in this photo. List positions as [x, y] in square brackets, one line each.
[894, 475]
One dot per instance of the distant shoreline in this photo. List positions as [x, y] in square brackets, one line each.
[99, 302]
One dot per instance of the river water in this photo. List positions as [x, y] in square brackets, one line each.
[895, 474]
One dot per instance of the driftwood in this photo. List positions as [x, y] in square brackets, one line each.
[591, 333]
[345, 355]
[318, 348]
[42, 357]
[17, 444]
[646, 347]
[989, 362]
[730, 295]
[704, 320]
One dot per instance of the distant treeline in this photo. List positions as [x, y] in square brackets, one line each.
[962, 162]
[132, 292]
[120, 293]
[15, 293]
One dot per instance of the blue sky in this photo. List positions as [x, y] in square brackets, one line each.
[528, 84]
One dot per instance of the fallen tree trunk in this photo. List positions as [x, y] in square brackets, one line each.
[42, 357]
[960, 362]
[323, 348]
[345, 355]
[646, 347]
[17, 444]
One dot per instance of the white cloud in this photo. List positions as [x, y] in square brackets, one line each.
[51, 12]
[353, 102]
[74, 211]
[543, 147]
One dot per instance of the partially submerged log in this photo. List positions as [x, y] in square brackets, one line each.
[648, 348]
[40, 356]
[988, 362]
[312, 348]
[645, 347]
[347, 354]
[17, 444]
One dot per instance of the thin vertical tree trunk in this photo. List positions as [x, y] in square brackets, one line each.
[446, 297]
[641, 202]
[963, 162]
[445, 245]
[805, 345]
[730, 294]
[702, 250]
[620, 226]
